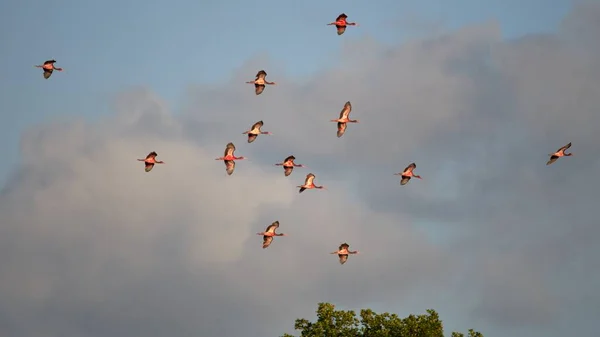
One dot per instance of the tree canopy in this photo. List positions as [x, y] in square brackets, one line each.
[345, 323]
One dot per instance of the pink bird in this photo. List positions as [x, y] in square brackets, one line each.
[343, 252]
[260, 81]
[255, 131]
[308, 183]
[560, 153]
[341, 23]
[48, 67]
[288, 165]
[408, 173]
[341, 122]
[229, 158]
[269, 233]
[150, 160]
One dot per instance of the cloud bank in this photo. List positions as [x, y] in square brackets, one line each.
[90, 245]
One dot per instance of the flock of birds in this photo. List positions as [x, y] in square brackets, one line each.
[229, 158]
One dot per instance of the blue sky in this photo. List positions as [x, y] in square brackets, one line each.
[112, 45]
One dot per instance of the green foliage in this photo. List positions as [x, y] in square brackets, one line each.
[342, 323]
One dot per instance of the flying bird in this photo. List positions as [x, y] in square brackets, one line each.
[150, 160]
[309, 184]
[269, 233]
[255, 131]
[408, 173]
[260, 81]
[559, 153]
[341, 23]
[288, 165]
[229, 158]
[341, 122]
[343, 252]
[48, 67]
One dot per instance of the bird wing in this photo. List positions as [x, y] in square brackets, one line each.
[272, 227]
[340, 29]
[229, 166]
[148, 167]
[267, 241]
[151, 155]
[229, 149]
[343, 258]
[564, 147]
[292, 158]
[341, 129]
[346, 110]
[344, 246]
[252, 137]
[410, 168]
[257, 126]
[288, 170]
[259, 88]
[309, 179]
[552, 159]
[47, 73]
[404, 180]
[50, 62]
[261, 74]
[341, 16]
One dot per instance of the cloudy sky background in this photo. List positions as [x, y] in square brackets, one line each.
[493, 239]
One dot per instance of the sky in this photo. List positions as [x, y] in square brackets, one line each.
[477, 96]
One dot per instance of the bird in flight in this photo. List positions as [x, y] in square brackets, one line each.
[150, 160]
[260, 82]
[341, 23]
[48, 67]
[229, 158]
[559, 153]
[408, 173]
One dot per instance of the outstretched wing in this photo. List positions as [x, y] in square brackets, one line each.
[47, 73]
[267, 241]
[341, 129]
[50, 62]
[229, 166]
[344, 246]
[261, 74]
[341, 17]
[292, 158]
[404, 180]
[553, 158]
[229, 149]
[287, 170]
[340, 29]
[251, 137]
[346, 110]
[410, 168]
[272, 227]
[259, 88]
[309, 179]
[257, 125]
[343, 258]
[564, 147]
[151, 155]
[148, 167]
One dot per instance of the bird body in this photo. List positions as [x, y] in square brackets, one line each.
[48, 68]
[229, 158]
[408, 173]
[309, 183]
[255, 131]
[559, 153]
[341, 23]
[343, 252]
[344, 118]
[150, 160]
[269, 233]
[260, 81]
[288, 165]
